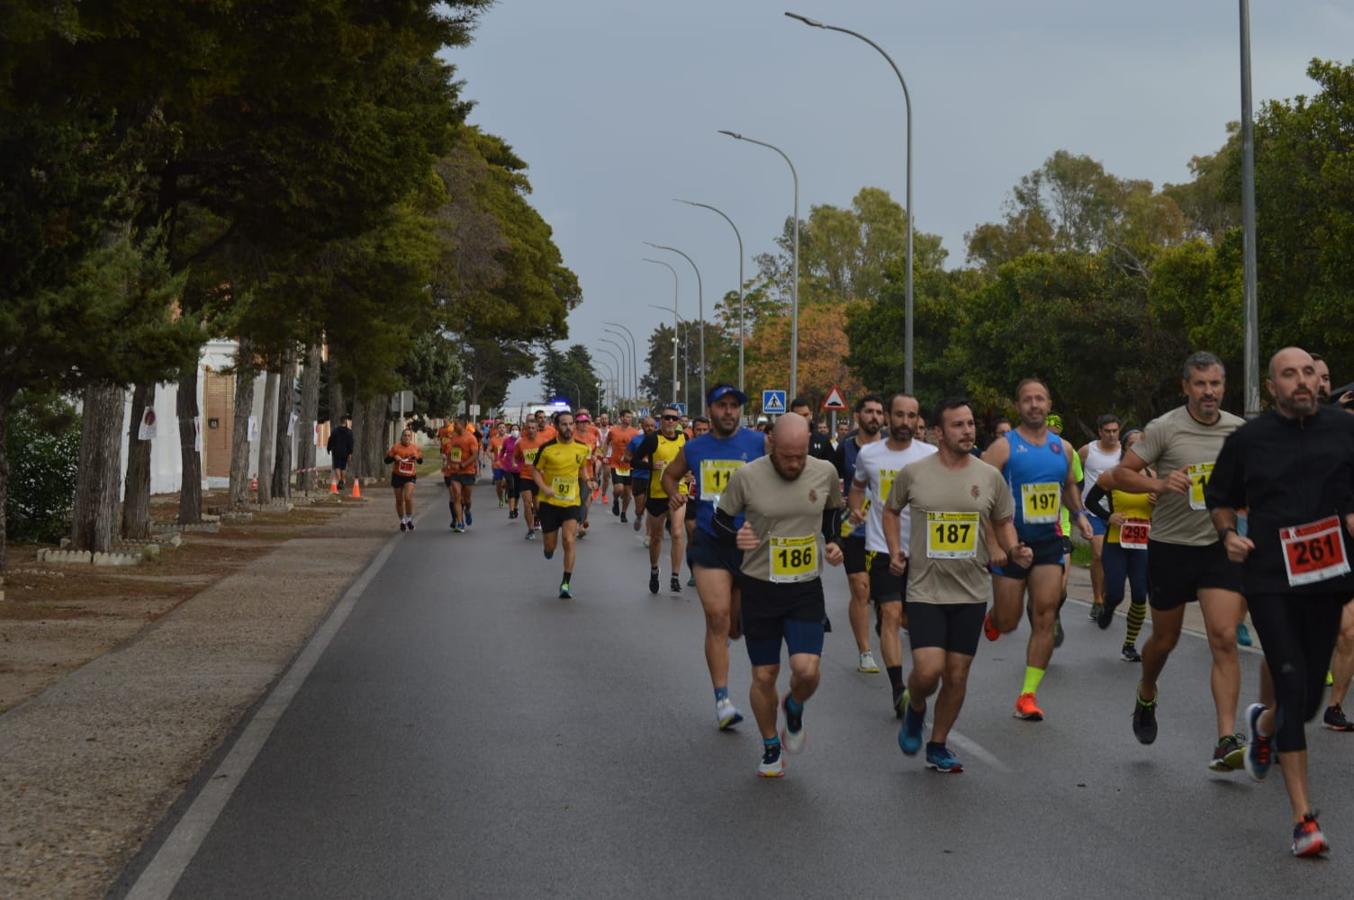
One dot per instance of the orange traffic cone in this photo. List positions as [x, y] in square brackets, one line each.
[357, 488]
[333, 484]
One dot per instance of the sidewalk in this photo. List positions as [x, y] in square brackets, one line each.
[90, 766]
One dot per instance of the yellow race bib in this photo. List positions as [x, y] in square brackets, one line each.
[794, 558]
[886, 477]
[1040, 502]
[951, 535]
[1199, 473]
[565, 488]
[715, 475]
[455, 454]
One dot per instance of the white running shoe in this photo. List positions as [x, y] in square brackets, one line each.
[726, 714]
[867, 664]
[646, 539]
[772, 764]
[792, 741]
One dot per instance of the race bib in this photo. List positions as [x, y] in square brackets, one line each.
[886, 477]
[794, 559]
[1040, 502]
[530, 456]
[622, 471]
[951, 535]
[1199, 473]
[1133, 534]
[715, 475]
[406, 467]
[455, 454]
[1314, 552]
[564, 488]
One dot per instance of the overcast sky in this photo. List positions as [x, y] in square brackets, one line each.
[614, 104]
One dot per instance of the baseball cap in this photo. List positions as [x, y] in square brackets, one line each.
[720, 391]
[583, 417]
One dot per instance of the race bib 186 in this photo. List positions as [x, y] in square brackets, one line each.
[951, 535]
[1040, 502]
[1314, 552]
[794, 558]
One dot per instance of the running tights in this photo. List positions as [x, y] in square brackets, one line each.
[1298, 633]
[1121, 564]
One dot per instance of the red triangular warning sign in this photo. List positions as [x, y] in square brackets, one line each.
[835, 400]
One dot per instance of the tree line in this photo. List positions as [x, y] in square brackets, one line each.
[299, 177]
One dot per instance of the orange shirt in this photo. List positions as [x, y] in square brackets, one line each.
[407, 457]
[495, 445]
[618, 439]
[526, 453]
[460, 454]
[548, 433]
[590, 439]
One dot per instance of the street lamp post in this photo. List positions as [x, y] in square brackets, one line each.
[620, 362]
[1252, 336]
[700, 304]
[907, 98]
[686, 360]
[741, 333]
[794, 284]
[634, 356]
[609, 375]
[669, 267]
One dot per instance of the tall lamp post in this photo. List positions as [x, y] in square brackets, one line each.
[1252, 335]
[612, 388]
[741, 332]
[668, 266]
[907, 98]
[634, 355]
[620, 362]
[700, 304]
[794, 284]
[686, 359]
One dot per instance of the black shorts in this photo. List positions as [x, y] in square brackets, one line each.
[705, 551]
[853, 554]
[1176, 573]
[1047, 552]
[953, 627]
[1067, 546]
[656, 506]
[772, 613]
[525, 484]
[640, 483]
[340, 464]
[621, 480]
[399, 481]
[551, 517]
[885, 587]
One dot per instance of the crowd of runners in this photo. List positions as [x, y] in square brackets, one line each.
[946, 544]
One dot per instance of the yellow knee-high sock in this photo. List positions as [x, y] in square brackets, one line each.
[1033, 677]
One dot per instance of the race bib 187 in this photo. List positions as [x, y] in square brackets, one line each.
[951, 535]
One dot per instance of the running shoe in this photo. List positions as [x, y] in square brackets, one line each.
[1058, 635]
[501, 504]
[531, 534]
[939, 758]
[565, 593]
[404, 526]
[909, 733]
[989, 630]
[624, 519]
[1096, 609]
[691, 582]
[792, 735]
[1260, 750]
[646, 540]
[469, 519]
[867, 664]
[1144, 719]
[653, 581]
[726, 714]
[1243, 635]
[771, 765]
[458, 528]
[1335, 720]
[1229, 753]
[1027, 709]
[1106, 617]
[675, 585]
[899, 702]
[411, 524]
[1129, 653]
[1308, 840]
[616, 507]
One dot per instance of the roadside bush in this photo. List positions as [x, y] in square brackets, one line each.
[43, 445]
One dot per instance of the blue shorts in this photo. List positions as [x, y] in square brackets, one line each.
[498, 474]
[1048, 552]
[1099, 527]
[708, 552]
[772, 613]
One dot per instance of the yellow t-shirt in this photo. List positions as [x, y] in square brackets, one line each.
[558, 464]
[1130, 506]
[662, 456]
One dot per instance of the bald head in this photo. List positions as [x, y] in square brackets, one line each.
[789, 446]
[1289, 356]
[1294, 383]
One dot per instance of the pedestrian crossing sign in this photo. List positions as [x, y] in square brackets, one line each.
[835, 400]
[773, 403]
[681, 408]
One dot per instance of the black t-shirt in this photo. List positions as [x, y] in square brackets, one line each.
[1287, 472]
[820, 447]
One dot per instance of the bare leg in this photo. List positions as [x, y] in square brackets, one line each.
[1097, 568]
[1342, 661]
[890, 641]
[715, 587]
[1008, 596]
[408, 491]
[762, 696]
[655, 526]
[859, 609]
[570, 529]
[1045, 594]
[678, 539]
[952, 692]
[1166, 625]
[1294, 768]
[804, 672]
[1223, 611]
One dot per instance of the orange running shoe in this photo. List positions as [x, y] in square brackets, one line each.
[1027, 709]
[989, 630]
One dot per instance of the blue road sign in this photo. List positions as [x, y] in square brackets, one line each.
[773, 403]
[643, 411]
[681, 408]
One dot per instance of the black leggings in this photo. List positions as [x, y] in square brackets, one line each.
[1297, 633]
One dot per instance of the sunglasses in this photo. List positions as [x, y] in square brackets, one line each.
[672, 418]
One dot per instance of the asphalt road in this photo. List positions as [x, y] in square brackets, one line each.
[466, 733]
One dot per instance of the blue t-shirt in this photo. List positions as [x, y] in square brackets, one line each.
[636, 472]
[847, 451]
[1038, 467]
[712, 460]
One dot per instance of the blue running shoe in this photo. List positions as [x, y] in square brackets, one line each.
[1243, 635]
[939, 757]
[909, 734]
[1260, 750]
[469, 519]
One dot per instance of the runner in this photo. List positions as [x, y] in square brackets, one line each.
[713, 457]
[876, 468]
[869, 413]
[404, 458]
[1128, 516]
[1185, 559]
[507, 461]
[699, 426]
[528, 447]
[1098, 456]
[1038, 468]
[603, 464]
[1055, 425]
[561, 474]
[943, 564]
[791, 504]
[640, 471]
[340, 447]
[586, 434]
[1342, 660]
[820, 447]
[1292, 470]
[460, 462]
[496, 439]
[617, 439]
[659, 450]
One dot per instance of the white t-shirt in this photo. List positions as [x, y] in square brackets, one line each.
[876, 466]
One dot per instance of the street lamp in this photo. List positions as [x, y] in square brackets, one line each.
[907, 98]
[1252, 336]
[668, 266]
[700, 304]
[634, 355]
[620, 361]
[686, 359]
[794, 284]
[610, 377]
[741, 333]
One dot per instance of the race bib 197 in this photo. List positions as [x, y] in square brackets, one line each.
[1040, 502]
[794, 558]
[1314, 552]
[951, 535]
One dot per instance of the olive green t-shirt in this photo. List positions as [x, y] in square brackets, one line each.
[947, 553]
[787, 516]
[1177, 440]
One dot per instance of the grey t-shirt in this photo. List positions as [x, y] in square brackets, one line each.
[947, 553]
[787, 516]
[1177, 440]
